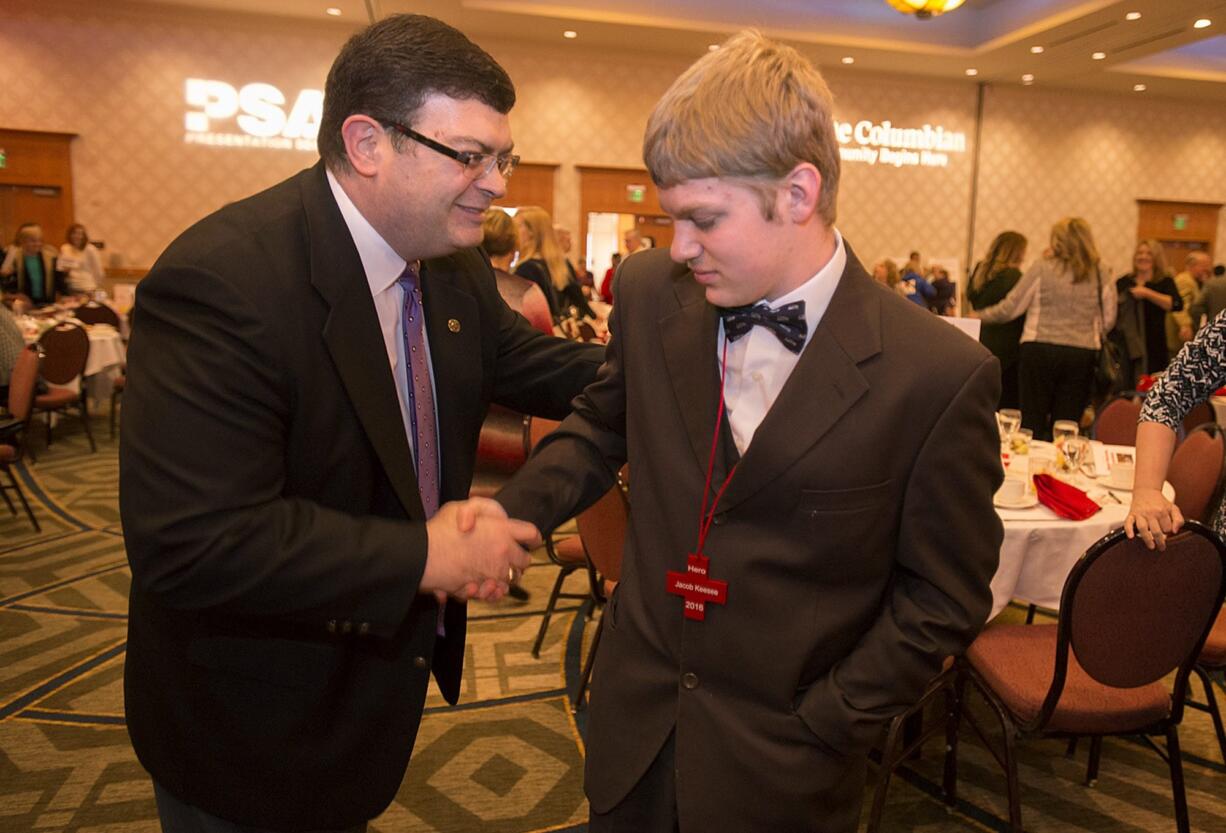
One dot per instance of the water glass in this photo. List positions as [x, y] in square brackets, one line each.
[1062, 429]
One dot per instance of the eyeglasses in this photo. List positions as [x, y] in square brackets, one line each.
[476, 164]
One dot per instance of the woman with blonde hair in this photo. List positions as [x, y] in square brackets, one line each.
[542, 261]
[991, 280]
[886, 271]
[81, 260]
[1146, 295]
[1069, 302]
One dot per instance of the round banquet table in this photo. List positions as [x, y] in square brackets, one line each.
[1040, 548]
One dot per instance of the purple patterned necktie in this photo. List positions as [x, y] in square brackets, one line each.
[421, 394]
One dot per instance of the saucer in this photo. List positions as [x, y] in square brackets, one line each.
[1024, 502]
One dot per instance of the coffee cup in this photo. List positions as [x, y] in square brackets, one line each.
[1121, 475]
[1012, 490]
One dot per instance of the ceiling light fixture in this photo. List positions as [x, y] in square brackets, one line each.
[570, 34]
[849, 60]
[1036, 50]
[1203, 23]
[1138, 88]
[972, 71]
[1133, 16]
[712, 47]
[924, 9]
[333, 10]
[1098, 56]
[1028, 78]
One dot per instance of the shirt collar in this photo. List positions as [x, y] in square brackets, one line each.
[817, 291]
[379, 260]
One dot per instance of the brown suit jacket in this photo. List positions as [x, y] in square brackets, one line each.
[857, 537]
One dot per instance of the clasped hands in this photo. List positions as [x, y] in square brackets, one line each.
[475, 550]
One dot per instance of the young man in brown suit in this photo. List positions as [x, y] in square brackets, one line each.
[812, 462]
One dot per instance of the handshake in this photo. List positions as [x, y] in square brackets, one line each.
[475, 551]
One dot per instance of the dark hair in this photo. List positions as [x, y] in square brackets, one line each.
[389, 68]
[1219, 270]
[74, 227]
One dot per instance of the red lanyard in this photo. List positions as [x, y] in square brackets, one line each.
[705, 518]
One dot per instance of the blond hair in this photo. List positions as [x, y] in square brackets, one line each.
[1156, 252]
[891, 271]
[751, 110]
[543, 243]
[1072, 242]
[497, 233]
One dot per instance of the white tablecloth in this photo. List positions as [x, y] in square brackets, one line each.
[1040, 548]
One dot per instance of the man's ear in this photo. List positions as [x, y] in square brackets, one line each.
[802, 190]
[363, 147]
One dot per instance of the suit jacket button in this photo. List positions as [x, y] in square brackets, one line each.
[364, 628]
[331, 626]
[689, 680]
[419, 662]
[346, 626]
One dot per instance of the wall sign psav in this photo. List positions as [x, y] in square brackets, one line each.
[252, 116]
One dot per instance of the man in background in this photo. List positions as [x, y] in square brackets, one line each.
[789, 425]
[1211, 294]
[307, 378]
[1180, 325]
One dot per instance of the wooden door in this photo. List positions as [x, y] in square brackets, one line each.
[36, 183]
[1181, 227]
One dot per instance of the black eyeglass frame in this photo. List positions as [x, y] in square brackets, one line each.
[476, 163]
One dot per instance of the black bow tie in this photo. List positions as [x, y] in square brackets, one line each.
[787, 323]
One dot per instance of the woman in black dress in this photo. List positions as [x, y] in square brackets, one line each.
[990, 282]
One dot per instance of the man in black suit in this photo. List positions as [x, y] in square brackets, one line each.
[812, 462]
[308, 374]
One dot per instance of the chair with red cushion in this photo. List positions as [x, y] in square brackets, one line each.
[1212, 660]
[1196, 472]
[92, 312]
[1129, 616]
[65, 351]
[1116, 423]
[1200, 414]
[20, 403]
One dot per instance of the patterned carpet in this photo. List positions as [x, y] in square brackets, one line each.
[507, 760]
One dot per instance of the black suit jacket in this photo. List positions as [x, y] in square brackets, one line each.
[857, 537]
[279, 651]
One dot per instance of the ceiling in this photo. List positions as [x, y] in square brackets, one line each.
[1161, 50]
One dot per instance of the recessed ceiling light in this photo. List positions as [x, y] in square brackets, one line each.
[711, 47]
[1138, 88]
[1028, 78]
[1203, 23]
[333, 10]
[570, 34]
[972, 71]
[849, 60]
[1098, 56]
[1036, 50]
[1133, 16]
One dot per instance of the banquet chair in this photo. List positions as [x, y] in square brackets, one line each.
[567, 553]
[502, 447]
[1116, 423]
[20, 403]
[92, 312]
[1200, 414]
[1129, 616]
[602, 531]
[1196, 472]
[65, 351]
[907, 732]
[1212, 660]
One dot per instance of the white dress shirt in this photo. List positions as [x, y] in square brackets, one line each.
[383, 268]
[759, 364]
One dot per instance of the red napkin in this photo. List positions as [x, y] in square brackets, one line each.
[1145, 383]
[1065, 500]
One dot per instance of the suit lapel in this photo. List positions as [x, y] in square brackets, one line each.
[825, 383]
[452, 320]
[354, 338]
[689, 335]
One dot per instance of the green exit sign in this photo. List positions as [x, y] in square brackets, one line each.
[636, 193]
[1179, 222]
[4, 159]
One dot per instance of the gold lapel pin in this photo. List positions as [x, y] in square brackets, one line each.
[453, 324]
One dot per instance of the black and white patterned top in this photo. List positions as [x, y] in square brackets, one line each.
[1193, 376]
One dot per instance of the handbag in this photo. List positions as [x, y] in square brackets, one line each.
[1110, 366]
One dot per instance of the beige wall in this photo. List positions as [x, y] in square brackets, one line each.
[114, 74]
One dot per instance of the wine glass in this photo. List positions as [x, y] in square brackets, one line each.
[1076, 452]
[1008, 420]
